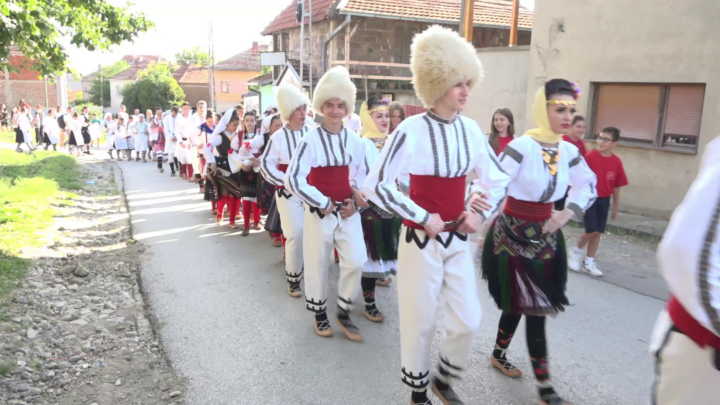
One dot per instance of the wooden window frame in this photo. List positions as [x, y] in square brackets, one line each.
[659, 141]
[222, 89]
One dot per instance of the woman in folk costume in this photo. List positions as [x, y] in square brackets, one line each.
[141, 138]
[51, 130]
[76, 137]
[524, 259]
[157, 138]
[110, 127]
[686, 337]
[132, 134]
[121, 138]
[381, 228]
[266, 189]
[325, 172]
[438, 150]
[206, 130]
[280, 149]
[225, 178]
[248, 149]
[23, 131]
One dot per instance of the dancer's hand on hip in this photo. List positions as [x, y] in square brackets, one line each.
[435, 225]
[557, 220]
[347, 209]
[470, 222]
[245, 168]
[255, 162]
[213, 169]
[360, 198]
[329, 210]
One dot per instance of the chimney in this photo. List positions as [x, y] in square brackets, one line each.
[255, 47]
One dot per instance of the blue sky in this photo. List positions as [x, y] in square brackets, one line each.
[184, 23]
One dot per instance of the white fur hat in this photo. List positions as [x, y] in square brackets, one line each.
[289, 98]
[335, 83]
[439, 59]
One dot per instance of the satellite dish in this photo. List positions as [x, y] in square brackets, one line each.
[299, 12]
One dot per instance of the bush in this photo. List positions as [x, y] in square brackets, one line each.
[155, 87]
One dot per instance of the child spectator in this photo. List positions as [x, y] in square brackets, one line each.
[610, 177]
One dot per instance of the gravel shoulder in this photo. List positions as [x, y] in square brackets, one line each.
[76, 330]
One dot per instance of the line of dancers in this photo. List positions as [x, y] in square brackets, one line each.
[398, 203]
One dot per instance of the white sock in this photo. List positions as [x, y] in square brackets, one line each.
[577, 250]
[589, 261]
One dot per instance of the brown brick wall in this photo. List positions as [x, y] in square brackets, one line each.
[195, 93]
[25, 85]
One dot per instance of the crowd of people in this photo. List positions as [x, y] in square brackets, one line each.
[363, 188]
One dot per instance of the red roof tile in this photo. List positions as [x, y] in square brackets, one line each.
[286, 18]
[487, 12]
[247, 61]
[195, 75]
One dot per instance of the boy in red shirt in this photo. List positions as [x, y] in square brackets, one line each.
[610, 176]
[574, 136]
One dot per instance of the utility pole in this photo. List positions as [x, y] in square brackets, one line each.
[467, 10]
[310, 13]
[101, 88]
[302, 40]
[210, 100]
[514, 22]
[211, 71]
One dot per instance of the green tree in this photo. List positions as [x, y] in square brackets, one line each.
[192, 55]
[107, 72]
[36, 25]
[155, 87]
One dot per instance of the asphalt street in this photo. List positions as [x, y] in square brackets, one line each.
[229, 327]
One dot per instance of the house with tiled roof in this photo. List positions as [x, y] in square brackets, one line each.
[372, 39]
[194, 82]
[137, 63]
[232, 76]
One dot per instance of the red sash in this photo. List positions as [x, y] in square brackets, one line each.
[690, 327]
[332, 181]
[438, 195]
[283, 168]
[528, 211]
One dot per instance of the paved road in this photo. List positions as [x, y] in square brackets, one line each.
[229, 327]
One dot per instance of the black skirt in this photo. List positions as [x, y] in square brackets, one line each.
[86, 135]
[248, 183]
[19, 137]
[272, 222]
[72, 141]
[265, 194]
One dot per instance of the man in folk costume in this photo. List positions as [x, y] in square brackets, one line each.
[85, 131]
[686, 339]
[171, 140]
[273, 165]
[438, 149]
[225, 177]
[325, 172]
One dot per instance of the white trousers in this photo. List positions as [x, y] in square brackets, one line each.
[292, 219]
[319, 238]
[685, 373]
[427, 269]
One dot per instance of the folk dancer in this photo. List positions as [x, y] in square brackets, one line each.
[51, 130]
[157, 139]
[169, 127]
[325, 172]
[524, 258]
[381, 228]
[122, 138]
[266, 190]
[76, 138]
[280, 149]
[206, 130]
[437, 150]
[110, 126]
[226, 179]
[141, 139]
[686, 338]
[85, 129]
[186, 132]
[248, 149]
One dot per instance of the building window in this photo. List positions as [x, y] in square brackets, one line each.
[118, 90]
[225, 87]
[666, 116]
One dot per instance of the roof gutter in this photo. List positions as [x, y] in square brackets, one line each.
[421, 20]
[329, 38]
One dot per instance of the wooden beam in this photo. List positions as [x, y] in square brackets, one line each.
[356, 62]
[347, 46]
[401, 78]
[467, 18]
[514, 22]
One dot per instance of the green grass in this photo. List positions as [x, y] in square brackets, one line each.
[29, 186]
[7, 137]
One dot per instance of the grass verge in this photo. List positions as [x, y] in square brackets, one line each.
[29, 186]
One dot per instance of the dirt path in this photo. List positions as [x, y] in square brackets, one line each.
[76, 331]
